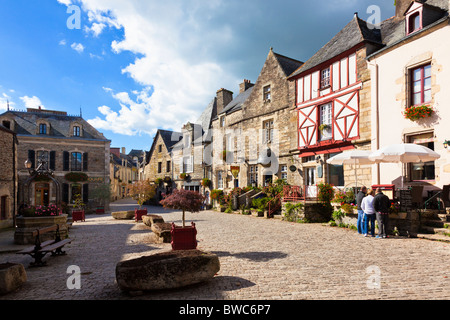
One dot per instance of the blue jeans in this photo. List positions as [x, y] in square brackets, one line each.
[359, 223]
[369, 218]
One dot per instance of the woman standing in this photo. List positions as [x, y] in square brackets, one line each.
[369, 213]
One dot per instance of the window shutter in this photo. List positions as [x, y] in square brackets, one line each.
[32, 158]
[65, 193]
[191, 165]
[52, 163]
[85, 193]
[66, 161]
[85, 162]
[181, 165]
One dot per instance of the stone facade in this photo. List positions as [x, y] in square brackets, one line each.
[8, 177]
[52, 136]
[263, 119]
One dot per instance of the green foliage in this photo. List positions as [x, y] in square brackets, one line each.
[76, 177]
[326, 192]
[261, 203]
[292, 211]
[338, 215]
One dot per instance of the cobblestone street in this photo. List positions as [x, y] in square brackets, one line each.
[260, 259]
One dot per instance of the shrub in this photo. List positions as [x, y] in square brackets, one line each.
[326, 192]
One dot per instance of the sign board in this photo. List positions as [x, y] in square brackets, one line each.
[405, 199]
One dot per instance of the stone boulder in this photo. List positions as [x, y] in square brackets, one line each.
[168, 270]
[151, 219]
[163, 231]
[123, 215]
[12, 277]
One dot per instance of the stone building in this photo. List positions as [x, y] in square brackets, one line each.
[191, 156]
[333, 100]
[76, 153]
[8, 177]
[123, 172]
[254, 133]
[159, 167]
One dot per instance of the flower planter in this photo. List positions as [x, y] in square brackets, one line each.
[12, 277]
[100, 210]
[184, 238]
[25, 226]
[138, 213]
[78, 215]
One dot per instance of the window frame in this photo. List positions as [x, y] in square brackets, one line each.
[76, 131]
[328, 121]
[268, 131]
[267, 93]
[41, 127]
[422, 84]
[74, 161]
[325, 82]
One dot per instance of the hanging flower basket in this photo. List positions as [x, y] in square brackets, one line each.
[184, 176]
[206, 182]
[415, 113]
[158, 181]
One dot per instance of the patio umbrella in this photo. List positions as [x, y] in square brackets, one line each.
[353, 157]
[404, 153]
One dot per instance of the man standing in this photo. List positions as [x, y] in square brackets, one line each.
[381, 204]
[359, 198]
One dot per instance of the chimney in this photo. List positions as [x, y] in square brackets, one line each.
[123, 150]
[224, 97]
[400, 8]
[245, 85]
[116, 151]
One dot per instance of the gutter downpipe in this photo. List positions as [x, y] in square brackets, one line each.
[377, 111]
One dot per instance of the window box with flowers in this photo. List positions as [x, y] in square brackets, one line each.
[415, 113]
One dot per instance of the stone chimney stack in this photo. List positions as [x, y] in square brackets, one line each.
[245, 85]
[224, 97]
[123, 150]
[400, 8]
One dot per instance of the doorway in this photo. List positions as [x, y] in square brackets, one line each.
[42, 194]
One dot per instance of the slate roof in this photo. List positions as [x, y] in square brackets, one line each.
[170, 138]
[236, 103]
[354, 33]
[288, 65]
[26, 124]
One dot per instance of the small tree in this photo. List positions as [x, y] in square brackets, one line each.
[184, 200]
[142, 191]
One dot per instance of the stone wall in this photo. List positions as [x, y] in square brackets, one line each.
[8, 174]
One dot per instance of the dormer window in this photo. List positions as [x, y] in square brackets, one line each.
[76, 131]
[42, 128]
[414, 22]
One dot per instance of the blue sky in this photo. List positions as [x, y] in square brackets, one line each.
[135, 66]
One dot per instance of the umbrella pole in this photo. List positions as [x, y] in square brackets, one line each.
[356, 179]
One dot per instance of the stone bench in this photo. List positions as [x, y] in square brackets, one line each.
[162, 231]
[123, 215]
[150, 219]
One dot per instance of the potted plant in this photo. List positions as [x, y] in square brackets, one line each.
[184, 176]
[158, 181]
[184, 238]
[101, 193]
[78, 213]
[141, 191]
[206, 182]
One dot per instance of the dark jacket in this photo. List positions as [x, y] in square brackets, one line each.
[381, 203]
[359, 198]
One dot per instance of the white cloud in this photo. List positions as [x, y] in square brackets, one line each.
[78, 47]
[173, 41]
[66, 2]
[32, 102]
[4, 101]
[63, 42]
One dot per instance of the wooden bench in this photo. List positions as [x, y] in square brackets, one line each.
[40, 249]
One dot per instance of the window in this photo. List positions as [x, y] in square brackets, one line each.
[422, 171]
[76, 131]
[188, 166]
[414, 23]
[76, 161]
[335, 173]
[253, 175]
[325, 78]
[325, 122]
[7, 124]
[220, 180]
[267, 93]
[42, 128]
[160, 148]
[421, 85]
[284, 172]
[76, 193]
[159, 167]
[168, 166]
[268, 131]
[222, 121]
